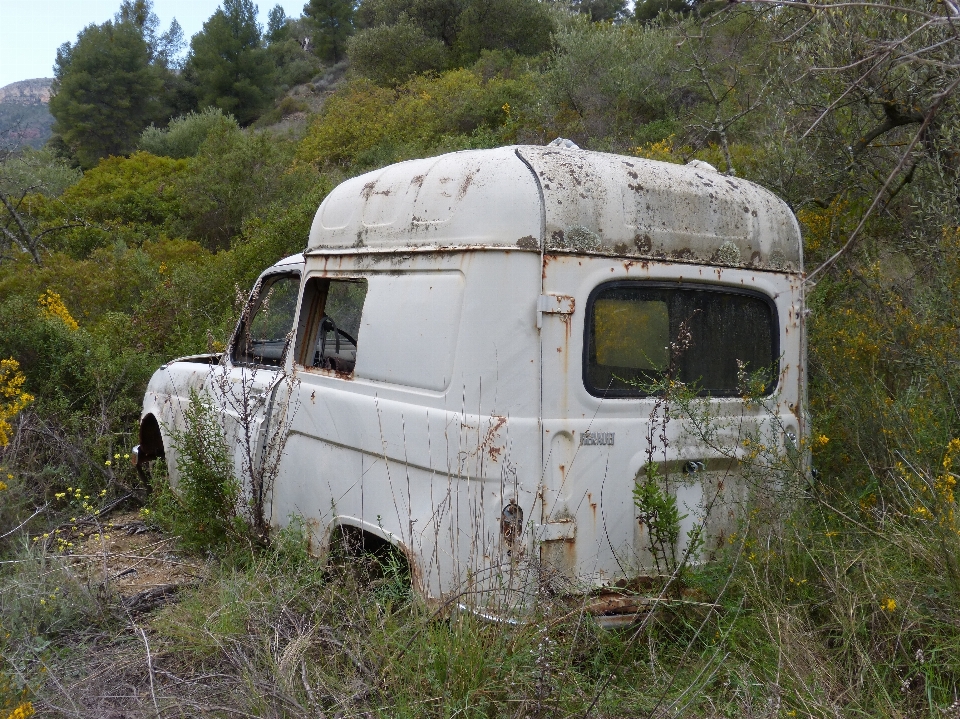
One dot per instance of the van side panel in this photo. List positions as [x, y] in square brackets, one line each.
[432, 437]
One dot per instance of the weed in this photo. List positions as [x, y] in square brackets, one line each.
[204, 509]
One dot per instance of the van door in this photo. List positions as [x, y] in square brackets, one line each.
[613, 332]
[246, 391]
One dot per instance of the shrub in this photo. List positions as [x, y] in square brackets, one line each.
[184, 135]
[204, 507]
[605, 81]
[389, 54]
[235, 175]
[418, 117]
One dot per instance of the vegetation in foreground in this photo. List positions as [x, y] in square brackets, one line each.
[847, 604]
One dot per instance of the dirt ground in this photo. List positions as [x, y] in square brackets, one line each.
[125, 555]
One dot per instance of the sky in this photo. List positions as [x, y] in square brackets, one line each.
[32, 30]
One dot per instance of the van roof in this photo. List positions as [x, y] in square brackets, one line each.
[563, 200]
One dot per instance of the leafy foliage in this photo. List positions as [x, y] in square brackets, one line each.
[332, 24]
[365, 122]
[229, 67]
[204, 508]
[185, 134]
[13, 398]
[234, 175]
[105, 91]
[390, 54]
[399, 37]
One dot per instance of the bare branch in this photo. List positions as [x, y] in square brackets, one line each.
[896, 170]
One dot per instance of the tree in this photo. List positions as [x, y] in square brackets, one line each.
[332, 24]
[520, 26]
[23, 178]
[602, 10]
[400, 37]
[164, 48]
[105, 91]
[229, 67]
[389, 54]
[277, 25]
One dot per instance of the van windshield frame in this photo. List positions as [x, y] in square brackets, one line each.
[658, 291]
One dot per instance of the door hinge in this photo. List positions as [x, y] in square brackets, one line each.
[553, 304]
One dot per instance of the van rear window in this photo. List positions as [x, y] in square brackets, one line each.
[633, 337]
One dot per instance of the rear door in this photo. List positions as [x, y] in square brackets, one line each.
[614, 335]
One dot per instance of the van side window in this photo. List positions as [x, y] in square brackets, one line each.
[264, 331]
[330, 323]
[633, 332]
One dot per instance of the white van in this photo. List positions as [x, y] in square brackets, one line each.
[469, 350]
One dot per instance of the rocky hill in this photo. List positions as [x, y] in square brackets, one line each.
[27, 92]
[24, 113]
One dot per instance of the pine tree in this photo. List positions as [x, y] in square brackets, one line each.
[332, 24]
[277, 30]
[229, 66]
[105, 91]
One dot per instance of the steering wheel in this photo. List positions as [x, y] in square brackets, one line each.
[327, 325]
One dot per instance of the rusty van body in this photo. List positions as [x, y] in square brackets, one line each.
[473, 339]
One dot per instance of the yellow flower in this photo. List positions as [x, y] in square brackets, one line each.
[3, 485]
[108, 463]
[13, 398]
[23, 711]
[52, 307]
[888, 605]
[822, 440]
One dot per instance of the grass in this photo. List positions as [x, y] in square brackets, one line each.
[830, 606]
[818, 615]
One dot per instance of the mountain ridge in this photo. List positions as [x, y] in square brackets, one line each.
[25, 118]
[27, 92]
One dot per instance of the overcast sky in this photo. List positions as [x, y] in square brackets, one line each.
[32, 30]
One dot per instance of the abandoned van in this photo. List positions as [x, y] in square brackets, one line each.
[470, 359]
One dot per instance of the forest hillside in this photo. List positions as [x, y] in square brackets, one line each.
[132, 236]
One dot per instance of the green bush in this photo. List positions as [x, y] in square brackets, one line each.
[234, 176]
[366, 124]
[185, 134]
[390, 54]
[204, 508]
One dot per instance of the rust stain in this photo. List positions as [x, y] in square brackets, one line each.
[488, 445]
[465, 185]
[643, 243]
[339, 374]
